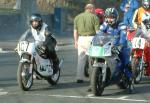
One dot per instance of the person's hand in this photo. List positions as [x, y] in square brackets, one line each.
[120, 47]
[76, 44]
[126, 7]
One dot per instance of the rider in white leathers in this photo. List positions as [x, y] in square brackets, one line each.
[39, 31]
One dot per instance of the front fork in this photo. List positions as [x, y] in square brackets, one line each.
[102, 66]
[32, 64]
[30, 68]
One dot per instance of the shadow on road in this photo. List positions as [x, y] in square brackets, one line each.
[8, 82]
[3, 85]
[66, 85]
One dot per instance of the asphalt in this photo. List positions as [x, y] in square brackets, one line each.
[62, 40]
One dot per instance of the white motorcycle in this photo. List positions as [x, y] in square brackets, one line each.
[31, 62]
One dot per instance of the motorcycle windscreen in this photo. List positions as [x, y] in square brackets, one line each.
[101, 46]
[97, 51]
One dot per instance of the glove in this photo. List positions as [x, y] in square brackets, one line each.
[115, 50]
[119, 47]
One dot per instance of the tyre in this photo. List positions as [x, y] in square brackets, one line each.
[96, 82]
[86, 69]
[108, 74]
[124, 82]
[88, 66]
[136, 69]
[24, 77]
[53, 80]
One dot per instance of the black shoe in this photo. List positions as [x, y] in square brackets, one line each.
[107, 83]
[89, 90]
[131, 89]
[79, 81]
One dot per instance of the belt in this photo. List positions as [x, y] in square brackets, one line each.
[87, 35]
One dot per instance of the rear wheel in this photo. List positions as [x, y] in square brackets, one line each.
[137, 66]
[24, 77]
[86, 69]
[96, 81]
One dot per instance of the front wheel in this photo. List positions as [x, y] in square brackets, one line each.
[53, 80]
[123, 82]
[97, 82]
[87, 67]
[24, 77]
[137, 66]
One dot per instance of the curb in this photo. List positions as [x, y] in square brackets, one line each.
[58, 48]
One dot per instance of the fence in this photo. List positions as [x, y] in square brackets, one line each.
[7, 4]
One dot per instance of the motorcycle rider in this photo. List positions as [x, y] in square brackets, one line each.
[141, 23]
[100, 14]
[39, 31]
[137, 18]
[144, 31]
[113, 27]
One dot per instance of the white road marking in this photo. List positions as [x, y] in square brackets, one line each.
[90, 95]
[1, 89]
[3, 93]
[7, 51]
[120, 98]
[106, 98]
[123, 98]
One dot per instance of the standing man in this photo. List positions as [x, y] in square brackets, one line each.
[128, 7]
[86, 25]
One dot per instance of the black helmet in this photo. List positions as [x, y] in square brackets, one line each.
[36, 17]
[146, 4]
[111, 13]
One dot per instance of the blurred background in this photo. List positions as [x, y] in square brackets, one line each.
[58, 14]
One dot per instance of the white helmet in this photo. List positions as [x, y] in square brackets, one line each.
[146, 20]
[146, 4]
